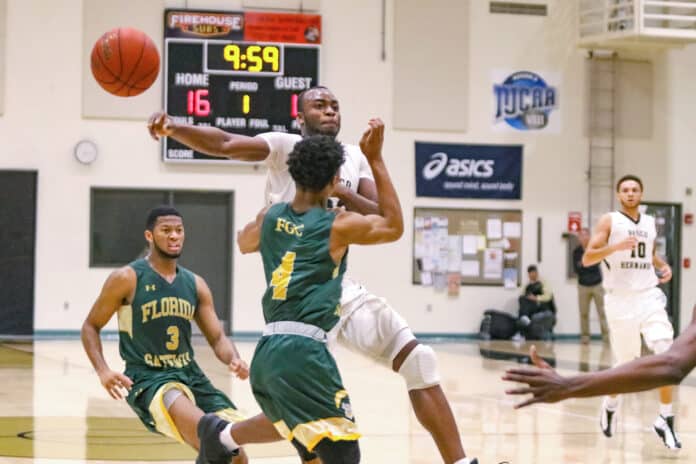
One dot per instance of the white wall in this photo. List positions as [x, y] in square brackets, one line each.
[42, 122]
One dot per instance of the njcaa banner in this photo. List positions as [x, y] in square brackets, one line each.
[468, 171]
[526, 101]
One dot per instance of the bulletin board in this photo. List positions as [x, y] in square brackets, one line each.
[453, 247]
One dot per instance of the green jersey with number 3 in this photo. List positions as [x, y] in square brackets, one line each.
[304, 283]
[155, 329]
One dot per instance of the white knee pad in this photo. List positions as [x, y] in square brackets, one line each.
[661, 346]
[170, 396]
[419, 369]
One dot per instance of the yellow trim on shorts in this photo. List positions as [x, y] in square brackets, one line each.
[163, 421]
[231, 415]
[333, 428]
[283, 429]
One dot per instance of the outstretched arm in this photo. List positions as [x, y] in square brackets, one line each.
[646, 373]
[210, 325]
[249, 238]
[209, 140]
[117, 289]
[371, 229]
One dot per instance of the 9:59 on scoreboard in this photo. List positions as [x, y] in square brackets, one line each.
[239, 71]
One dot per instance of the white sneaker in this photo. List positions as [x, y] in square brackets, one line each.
[607, 419]
[664, 427]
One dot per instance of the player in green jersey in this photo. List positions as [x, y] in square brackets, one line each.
[156, 299]
[303, 246]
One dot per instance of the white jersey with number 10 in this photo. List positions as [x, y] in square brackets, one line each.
[631, 269]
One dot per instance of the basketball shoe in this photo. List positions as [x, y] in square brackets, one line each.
[212, 451]
[607, 418]
[664, 427]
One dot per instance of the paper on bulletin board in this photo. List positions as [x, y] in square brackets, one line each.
[512, 229]
[494, 229]
[510, 277]
[503, 244]
[470, 268]
[454, 253]
[426, 279]
[492, 263]
[439, 281]
[454, 283]
[441, 233]
[419, 245]
[469, 244]
[481, 245]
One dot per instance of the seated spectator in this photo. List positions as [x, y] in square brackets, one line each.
[537, 309]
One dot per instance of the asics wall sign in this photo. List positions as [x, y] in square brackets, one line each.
[468, 171]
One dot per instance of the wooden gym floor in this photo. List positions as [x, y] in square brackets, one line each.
[53, 410]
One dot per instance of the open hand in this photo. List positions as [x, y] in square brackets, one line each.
[544, 383]
[115, 383]
[372, 139]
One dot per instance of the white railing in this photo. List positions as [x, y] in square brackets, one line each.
[642, 19]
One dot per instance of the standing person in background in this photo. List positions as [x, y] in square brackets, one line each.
[589, 288]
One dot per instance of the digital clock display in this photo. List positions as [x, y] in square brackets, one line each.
[244, 58]
[239, 71]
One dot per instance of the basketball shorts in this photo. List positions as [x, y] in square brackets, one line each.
[371, 327]
[632, 314]
[296, 383]
[146, 397]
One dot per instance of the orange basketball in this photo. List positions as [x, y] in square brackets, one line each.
[125, 62]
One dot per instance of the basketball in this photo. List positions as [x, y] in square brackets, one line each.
[125, 62]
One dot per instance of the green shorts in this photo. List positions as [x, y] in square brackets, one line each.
[296, 383]
[150, 385]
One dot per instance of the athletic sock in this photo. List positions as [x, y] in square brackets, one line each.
[666, 410]
[611, 403]
[226, 438]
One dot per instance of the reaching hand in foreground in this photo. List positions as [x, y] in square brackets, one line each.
[543, 382]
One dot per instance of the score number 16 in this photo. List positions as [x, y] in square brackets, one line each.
[196, 102]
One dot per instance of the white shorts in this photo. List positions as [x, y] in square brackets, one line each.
[632, 314]
[371, 327]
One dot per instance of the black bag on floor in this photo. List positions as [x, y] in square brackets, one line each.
[497, 325]
[541, 326]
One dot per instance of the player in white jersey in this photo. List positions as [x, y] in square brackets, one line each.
[368, 324]
[624, 241]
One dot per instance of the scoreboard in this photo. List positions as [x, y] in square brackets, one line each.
[239, 71]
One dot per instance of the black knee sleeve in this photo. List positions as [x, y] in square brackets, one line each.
[302, 451]
[338, 452]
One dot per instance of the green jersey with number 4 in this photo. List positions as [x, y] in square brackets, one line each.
[304, 283]
[155, 329]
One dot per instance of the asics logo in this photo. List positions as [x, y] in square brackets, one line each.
[440, 162]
